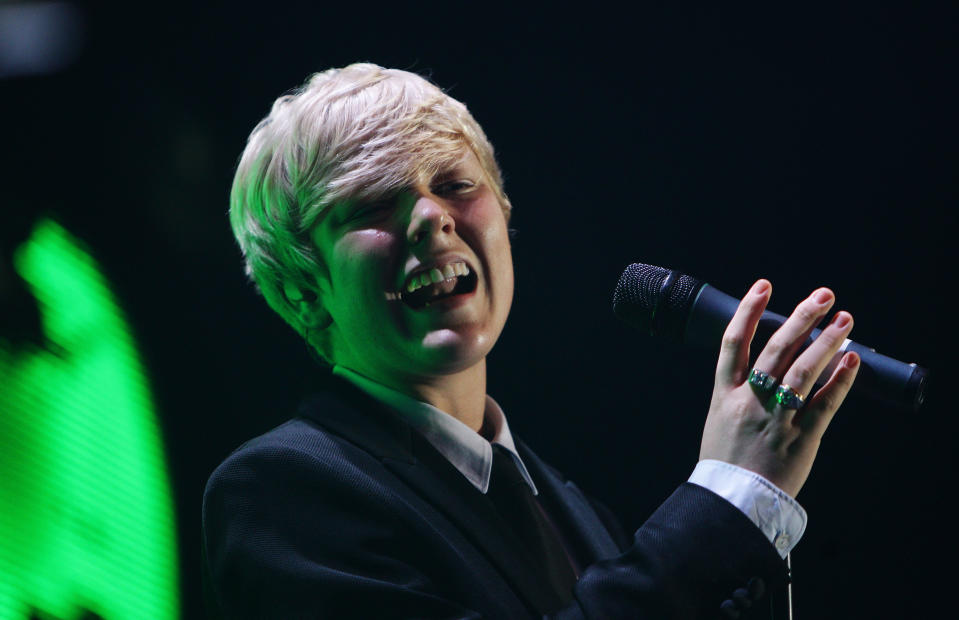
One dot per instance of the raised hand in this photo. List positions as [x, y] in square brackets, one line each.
[748, 425]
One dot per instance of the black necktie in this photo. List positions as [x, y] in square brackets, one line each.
[514, 501]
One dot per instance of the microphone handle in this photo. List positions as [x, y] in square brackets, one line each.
[880, 377]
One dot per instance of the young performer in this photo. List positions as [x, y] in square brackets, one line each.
[371, 213]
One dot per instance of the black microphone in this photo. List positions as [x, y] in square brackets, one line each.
[664, 302]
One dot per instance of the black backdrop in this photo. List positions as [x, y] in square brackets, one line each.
[808, 145]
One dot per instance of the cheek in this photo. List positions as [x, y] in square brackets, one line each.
[496, 242]
[357, 264]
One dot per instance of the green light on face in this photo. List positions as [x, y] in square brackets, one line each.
[86, 517]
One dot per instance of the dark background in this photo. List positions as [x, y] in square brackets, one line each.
[808, 145]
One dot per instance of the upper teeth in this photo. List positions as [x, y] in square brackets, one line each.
[437, 274]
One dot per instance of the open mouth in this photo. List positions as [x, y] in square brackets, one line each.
[423, 297]
[443, 284]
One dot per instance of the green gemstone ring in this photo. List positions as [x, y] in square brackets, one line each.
[788, 397]
[761, 380]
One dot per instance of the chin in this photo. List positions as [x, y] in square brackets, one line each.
[450, 351]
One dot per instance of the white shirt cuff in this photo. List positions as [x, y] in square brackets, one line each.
[778, 515]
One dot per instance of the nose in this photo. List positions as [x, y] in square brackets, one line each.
[429, 218]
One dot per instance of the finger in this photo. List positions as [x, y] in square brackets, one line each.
[810, 364]
[821, 408]
[734, 352]
[778, 353]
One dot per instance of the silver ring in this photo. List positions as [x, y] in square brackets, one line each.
[788, 397]
[762, 380]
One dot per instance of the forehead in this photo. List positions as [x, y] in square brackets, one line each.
[416, 170]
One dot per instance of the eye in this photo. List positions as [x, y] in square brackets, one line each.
[454, 188]
[370, 211]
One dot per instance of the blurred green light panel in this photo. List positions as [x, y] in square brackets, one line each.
[86, 517]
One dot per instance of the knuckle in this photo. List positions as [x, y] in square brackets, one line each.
[831, 337]
[833, 341]
[775, 347]
[807, 312]
[737, 409]
[844, 383]
[732, 341]
[803, 374]
[745, 419]
[828, 402]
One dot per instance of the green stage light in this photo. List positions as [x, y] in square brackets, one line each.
[86, 515]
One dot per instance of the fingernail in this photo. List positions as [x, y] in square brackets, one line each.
[761, 287]
[852, 360]
[822, 296]
[841, 319]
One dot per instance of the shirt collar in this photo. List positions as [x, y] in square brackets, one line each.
[468, 451]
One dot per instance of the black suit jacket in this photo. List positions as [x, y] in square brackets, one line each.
[346, 511]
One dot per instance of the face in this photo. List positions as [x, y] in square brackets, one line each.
[418, 285]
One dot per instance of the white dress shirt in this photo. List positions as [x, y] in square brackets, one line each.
[778, 515]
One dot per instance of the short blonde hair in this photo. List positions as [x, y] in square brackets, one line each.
[354, 133]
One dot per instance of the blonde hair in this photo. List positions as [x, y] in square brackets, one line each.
[356, 133]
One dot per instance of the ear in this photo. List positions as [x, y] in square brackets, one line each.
[309, 309]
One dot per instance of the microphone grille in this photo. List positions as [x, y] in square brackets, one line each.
[639, 299]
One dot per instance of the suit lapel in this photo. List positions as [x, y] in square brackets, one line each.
[570, 511]
[367, 423]
[360, 419]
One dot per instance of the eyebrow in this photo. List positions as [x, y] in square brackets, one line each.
[458, 170]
